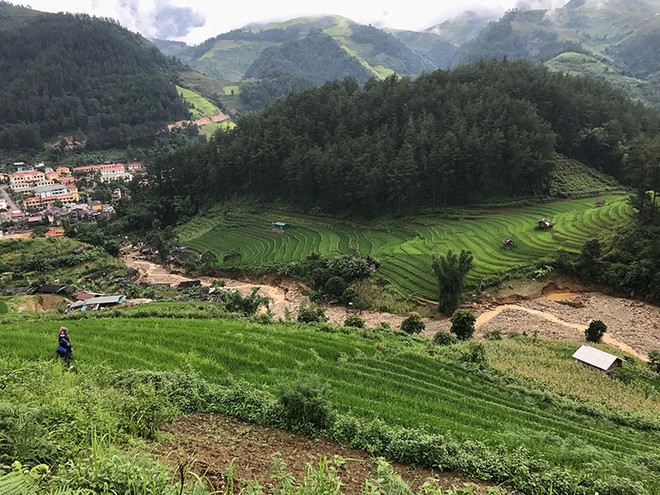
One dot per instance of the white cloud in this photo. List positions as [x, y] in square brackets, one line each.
[197, 20]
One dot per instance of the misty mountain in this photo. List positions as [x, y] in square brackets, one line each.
[230, 56]
[615, 41]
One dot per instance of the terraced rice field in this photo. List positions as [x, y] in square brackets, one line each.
[388, 378]
[405, 247]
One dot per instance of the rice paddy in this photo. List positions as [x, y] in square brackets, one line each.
[405, 247]
[388, 377]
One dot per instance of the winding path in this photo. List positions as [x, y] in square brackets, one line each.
[486, 316]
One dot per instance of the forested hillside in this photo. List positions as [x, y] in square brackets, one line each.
[615, 41]
[296, 65]
[62, 73]
[486, 130]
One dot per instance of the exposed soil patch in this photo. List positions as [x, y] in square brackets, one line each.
[539, 306]
[632, 326]
[208, 443]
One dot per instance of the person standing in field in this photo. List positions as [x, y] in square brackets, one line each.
[64, 346]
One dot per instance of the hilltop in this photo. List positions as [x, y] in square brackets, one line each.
[612, 41]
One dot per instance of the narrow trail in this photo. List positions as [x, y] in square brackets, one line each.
[486, 316]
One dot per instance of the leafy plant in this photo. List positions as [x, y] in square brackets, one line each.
[354, 321]
[311, 313]
[442, 337]
[595, 331]
[450, 270]
[413, 324]
[305, 404]
[462, 324]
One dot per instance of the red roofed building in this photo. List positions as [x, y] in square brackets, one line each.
[55, 232]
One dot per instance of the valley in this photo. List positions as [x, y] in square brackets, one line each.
[320, 257]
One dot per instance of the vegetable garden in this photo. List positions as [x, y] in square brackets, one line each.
[404, 247]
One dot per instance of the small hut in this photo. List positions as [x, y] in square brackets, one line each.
[596, 359]
[508, 243]
[280, 226]
[544, 223]
[600, 202]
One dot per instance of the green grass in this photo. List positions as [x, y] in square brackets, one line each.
[201, 107]
[389, 377]
[405, 247]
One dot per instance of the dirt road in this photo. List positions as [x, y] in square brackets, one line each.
[633, 326]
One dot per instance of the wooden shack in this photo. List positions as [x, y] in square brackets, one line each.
[544, 223]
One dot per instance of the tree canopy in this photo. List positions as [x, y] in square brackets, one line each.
[490, 129]
[62, 73]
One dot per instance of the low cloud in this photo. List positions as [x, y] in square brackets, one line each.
[540, 4]
[153, 18]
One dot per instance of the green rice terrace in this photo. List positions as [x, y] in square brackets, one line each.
[390, 379]
[405, 247]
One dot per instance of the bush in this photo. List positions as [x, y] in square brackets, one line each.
[595, 331]
[311, 313]
[494, 335]
[352, 297]
[462, 324]
[335, 286]
[305, 404]
[413, 324]
[474, 353]
[654, 360]
[354, 321]
[442, 337]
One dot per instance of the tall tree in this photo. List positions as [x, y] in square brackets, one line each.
[642, 170]
[451, 270]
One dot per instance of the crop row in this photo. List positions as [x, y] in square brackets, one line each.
[405, 249]
[404, 388]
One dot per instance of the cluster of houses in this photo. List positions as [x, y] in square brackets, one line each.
[45, 194]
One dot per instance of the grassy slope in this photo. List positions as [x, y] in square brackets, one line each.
[201, 107]
[404, 247]
[13, 252]
[385, 376]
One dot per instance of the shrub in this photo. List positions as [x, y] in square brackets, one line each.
[654, 360]
[462, 324]
[595, 331]
[474, 353]
[335, 286]
[413, 324]
[352, 297]
[494, 335]
[311, 313]
[354, 321]
[305, 404]
[443, 337]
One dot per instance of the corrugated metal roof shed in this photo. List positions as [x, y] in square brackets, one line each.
[99, 301]
[596, 358]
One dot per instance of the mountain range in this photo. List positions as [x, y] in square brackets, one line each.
[617, 41]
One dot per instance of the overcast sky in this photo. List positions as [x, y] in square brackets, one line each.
[194, 21]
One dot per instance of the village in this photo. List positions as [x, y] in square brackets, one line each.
[41, 196]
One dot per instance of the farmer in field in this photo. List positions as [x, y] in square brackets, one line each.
[64, 347]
